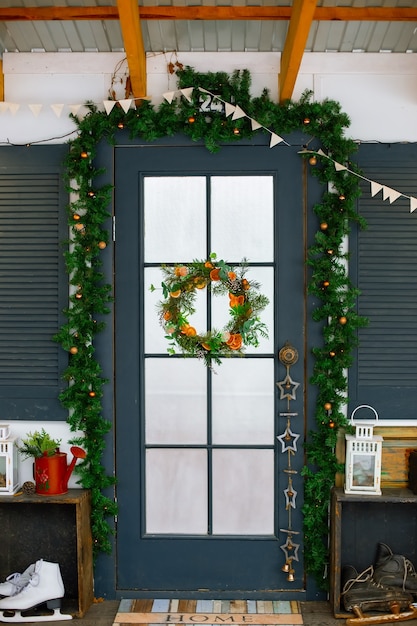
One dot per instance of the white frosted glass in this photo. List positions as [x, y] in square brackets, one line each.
[155, 341]
[175, 401]
[242, 213]
[243, 402]
[243, 492]
[221, 304]
[174, 218]
[176, 491]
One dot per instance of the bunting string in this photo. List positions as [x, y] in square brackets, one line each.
[388, 193]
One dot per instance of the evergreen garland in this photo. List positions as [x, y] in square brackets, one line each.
[329, 280]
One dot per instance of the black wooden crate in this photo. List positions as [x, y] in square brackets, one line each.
[358, 523]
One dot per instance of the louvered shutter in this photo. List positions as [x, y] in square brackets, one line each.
[33, 282]
[384, 266]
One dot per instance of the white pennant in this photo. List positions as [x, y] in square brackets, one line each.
[74, 108]
[108, 105]
[339, 167]
[275, 139]
[14, 107]
[3, 107]
[229, 109]
[255, 125]
[169, 96]
[391, 194]
[320, 151]
[35, 108]
[57, 109]
[386, 192]
[187, 93]
[413, 204]
[125, 104]
[375, 188]
[238, 113]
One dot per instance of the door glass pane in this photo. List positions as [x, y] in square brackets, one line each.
[220, 308]
[155, 341]
[242, 210]
[243, 402]
[174, 218]
[243, 492]
[176, 404]
[176, 491]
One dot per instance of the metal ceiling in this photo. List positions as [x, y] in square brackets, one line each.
[99, 35]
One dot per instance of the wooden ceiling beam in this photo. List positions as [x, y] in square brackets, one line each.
[133, 45]
[295, 44]
[343, 14]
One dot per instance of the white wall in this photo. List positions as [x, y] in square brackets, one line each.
[377, 91]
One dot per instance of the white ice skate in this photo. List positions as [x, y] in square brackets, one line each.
[45, 586]
[16, 582]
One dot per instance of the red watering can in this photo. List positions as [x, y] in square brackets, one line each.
[52, 473]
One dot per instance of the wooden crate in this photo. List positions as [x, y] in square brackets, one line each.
[53, 528]
[358, 523]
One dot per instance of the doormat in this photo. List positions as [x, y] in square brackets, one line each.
[206, 612]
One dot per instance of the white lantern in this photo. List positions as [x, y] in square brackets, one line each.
[363, 456]
[8, 462]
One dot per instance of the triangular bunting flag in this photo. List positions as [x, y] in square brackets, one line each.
[125, 104]
[14, 107]
[385, 192]
[321, 153]
[255, 125]
[413, 204]
[375, 188]
[238, 113]
[35, 108]
[229, 109]
[275, 139]
[203, 90]
[108, 105]
[169, 96]
[74, 108]
[339, 167]
[57, 109]
[393, 195]
[187, 93]
[3, 107]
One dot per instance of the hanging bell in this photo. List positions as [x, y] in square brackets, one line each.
[290, 576]
[286, 567]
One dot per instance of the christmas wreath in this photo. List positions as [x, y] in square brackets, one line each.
[179, 289]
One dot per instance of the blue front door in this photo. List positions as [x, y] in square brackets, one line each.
[208, 460]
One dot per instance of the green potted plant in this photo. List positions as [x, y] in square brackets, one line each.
[39, 444]
[50, 471]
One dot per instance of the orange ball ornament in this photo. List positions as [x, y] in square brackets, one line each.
[313, 160]
[102, 245]
[342, 320]
[73, 350]
[324, 226]
[327, 406]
